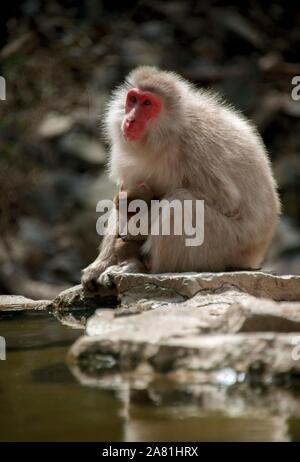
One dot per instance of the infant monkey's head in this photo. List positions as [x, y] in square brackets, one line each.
[139, 191]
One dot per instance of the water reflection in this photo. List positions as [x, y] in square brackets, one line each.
[40, 400]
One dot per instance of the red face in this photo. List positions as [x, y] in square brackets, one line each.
[140, 107]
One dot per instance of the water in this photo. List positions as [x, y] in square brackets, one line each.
[40, 400]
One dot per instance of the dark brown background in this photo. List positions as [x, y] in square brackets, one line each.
[60, 61]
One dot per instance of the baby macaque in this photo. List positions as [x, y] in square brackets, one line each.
[187, 144]
[126, 255]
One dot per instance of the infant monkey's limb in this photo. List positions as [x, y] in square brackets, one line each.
[122, 200]
[127, 249]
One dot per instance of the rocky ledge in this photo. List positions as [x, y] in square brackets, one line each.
[194, 328]
[17, 303]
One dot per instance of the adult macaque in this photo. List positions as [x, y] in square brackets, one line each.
[185, 143]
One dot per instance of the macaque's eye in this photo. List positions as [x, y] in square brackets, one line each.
[147, 102]
[132, 99]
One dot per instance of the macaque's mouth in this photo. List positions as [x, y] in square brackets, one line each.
[132, 132]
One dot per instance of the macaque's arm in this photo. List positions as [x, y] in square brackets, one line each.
[107, 257]
[230, 198]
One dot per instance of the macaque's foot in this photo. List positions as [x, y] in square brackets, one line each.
[106, 279]
[90, 276]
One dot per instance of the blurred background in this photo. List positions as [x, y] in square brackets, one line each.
[61, 60]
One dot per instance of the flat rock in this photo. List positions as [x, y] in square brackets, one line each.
[75, 298]
[9, 303]
[256, 283]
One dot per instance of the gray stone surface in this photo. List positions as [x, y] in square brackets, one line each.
[191, 327]
[10, 303]
[185, 335]
[73, 306]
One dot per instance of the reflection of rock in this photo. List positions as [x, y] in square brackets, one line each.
[204, 428]
[193, 328]
[242, 399]
[216, 415]
[222, 359]
[244, 413]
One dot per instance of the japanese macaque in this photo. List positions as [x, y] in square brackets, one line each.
[186, 144]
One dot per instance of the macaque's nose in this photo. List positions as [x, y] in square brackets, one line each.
[130, 123]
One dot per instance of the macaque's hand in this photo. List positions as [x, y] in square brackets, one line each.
[227, 203]
[133, 266]
[91, 274]
[90, 279]
[229, 200]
